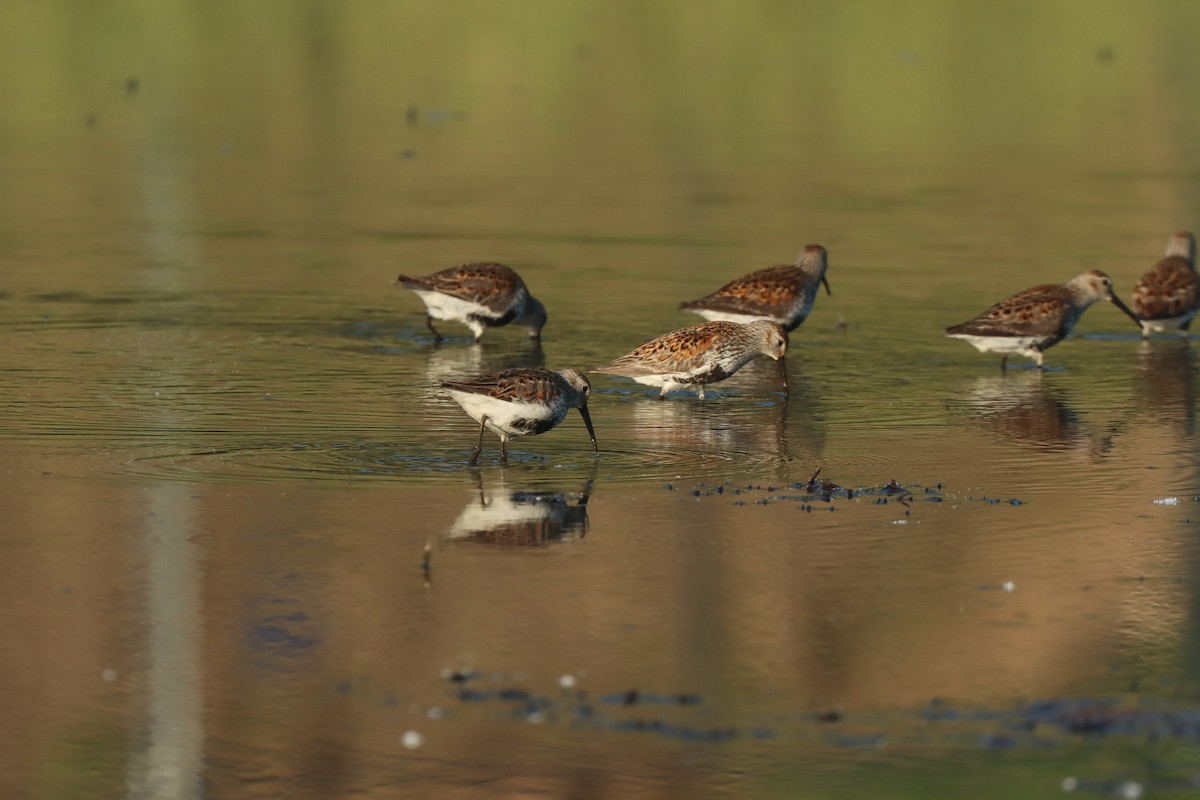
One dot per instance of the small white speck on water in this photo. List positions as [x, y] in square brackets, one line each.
[1131, 790]
[1008, 586]
[108, 675]
[899, 522]
[1070, 784]
[567, 681]
[1166, 501]
[412, 740]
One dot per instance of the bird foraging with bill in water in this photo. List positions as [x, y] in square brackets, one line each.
[523, 401]
[480, 296]
[700, 355]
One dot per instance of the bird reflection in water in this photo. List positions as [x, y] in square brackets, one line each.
[1165, 388]
[751, 427]
[1024, 409]
[710, 432]
[446, 362]
[533, 518]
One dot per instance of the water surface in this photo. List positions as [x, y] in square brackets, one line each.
[243, 554]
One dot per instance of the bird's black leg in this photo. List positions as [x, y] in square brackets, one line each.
[474, 459]
[437, 337]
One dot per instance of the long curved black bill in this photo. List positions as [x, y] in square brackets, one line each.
[1116, 301]
[825, 281]
[587, 420]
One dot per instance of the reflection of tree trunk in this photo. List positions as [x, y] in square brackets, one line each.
[171, 761]
[170, 764]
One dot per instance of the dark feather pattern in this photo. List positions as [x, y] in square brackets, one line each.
[783, 294]
[1171, 288]
[768, 292]
[519, 384]
[1039, 311]
[684, 350]
[491, 285]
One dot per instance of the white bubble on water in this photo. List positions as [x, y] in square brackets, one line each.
[1131, 790]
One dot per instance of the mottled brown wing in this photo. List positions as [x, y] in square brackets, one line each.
[1039, 311]
[493, 286]
[1170, 289]
[677, 351]
[769, 289]
[525, 384]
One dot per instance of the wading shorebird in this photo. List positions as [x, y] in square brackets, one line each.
[523, 401]
[783, 294]
[700, 355]
[480, 296]
[1036, 319]
[1168, 295]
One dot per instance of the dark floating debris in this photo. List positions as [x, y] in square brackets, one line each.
[459, 675]
[635, 697]
[524, 704]
[824, 490]
[1032, 725]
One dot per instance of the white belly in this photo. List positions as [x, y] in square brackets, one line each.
[505, 418]
[443, 306]
[726, 316]
[1019, 345]
[1168, 323]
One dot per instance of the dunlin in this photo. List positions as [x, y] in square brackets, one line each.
[1168, 295]
[699, 355]
[480, 296]
[503, 516]
[1028, 323]
[782, 294]
[520, 402]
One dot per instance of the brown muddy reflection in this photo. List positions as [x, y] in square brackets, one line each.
[449, 360]
[288, 636]
[1165, 384]
[1027, 408]
[501, 515]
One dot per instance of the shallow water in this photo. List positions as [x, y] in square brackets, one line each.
[243, 554]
